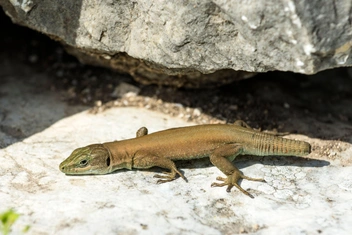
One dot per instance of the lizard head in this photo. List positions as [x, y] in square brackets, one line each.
[92, 159]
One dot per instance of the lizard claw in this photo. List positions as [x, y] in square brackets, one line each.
[232, 180]
[169, 176]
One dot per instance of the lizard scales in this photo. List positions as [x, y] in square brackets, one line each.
[220, 142]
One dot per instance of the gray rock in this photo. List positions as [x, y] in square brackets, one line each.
[177, 42]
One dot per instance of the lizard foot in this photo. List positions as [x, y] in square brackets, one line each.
[168, 176]
[232, 180]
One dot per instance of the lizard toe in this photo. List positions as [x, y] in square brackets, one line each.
[232, 181]
[221, 178]
[218, 184]
[164, 181]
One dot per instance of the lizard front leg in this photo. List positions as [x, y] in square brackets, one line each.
[148, 161]
[220, 158]
[142, 131]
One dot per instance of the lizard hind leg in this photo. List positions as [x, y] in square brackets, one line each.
[222, 158]
[232, 180]
[275, 133]
[242, 124]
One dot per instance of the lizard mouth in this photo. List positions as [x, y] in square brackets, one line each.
[72, 170]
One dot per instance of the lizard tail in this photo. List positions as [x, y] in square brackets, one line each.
[282, 146]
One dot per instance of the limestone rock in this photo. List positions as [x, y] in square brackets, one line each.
[177, 42]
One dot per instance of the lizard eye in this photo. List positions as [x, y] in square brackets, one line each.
[83, 163]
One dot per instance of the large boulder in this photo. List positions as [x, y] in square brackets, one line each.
[177, 42]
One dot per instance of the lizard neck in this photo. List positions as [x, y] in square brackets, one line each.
[119, 156]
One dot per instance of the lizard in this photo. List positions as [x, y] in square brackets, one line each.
[220, 142]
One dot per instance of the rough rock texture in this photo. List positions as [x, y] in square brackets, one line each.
[39, 128]
[187, 38]
[302, 195]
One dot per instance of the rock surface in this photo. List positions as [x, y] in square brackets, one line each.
[39, 130]
[176, 42]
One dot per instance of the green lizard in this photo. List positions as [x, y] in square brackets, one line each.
[220, 142]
